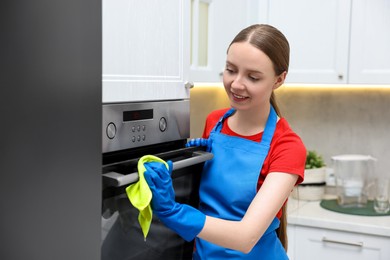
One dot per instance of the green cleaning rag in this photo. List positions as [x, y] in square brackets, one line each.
[140, 195]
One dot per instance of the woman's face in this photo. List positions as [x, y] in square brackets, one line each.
[249, 77]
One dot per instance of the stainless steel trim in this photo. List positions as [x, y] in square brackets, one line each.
[327, 240]
[114, 179]
[170, 121]
[201, 156]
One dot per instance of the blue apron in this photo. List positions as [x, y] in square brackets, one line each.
[228, 186]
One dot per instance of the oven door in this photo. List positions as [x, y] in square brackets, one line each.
[122, 237]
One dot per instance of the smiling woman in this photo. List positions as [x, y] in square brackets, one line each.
[257, 158]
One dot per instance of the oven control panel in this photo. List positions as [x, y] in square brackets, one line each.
[131, 125]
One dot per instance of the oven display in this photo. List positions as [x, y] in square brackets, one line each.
[137, 115]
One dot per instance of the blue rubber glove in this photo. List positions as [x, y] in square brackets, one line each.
[200, 142]
[183, 219]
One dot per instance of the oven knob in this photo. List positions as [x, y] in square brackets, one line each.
[111, 130]
[163, 124]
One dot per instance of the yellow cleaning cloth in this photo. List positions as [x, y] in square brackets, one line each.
[140, 195]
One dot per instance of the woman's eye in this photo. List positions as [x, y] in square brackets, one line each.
[229, 70]
[253, 78]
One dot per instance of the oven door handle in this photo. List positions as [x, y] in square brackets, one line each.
[114, 179]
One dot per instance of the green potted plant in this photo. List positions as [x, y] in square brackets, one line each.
[314, 161]
[313, 186]
[314, 168]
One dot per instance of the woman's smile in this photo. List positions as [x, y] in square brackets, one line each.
[238, 98]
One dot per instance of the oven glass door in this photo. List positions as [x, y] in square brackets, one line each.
[122, 237]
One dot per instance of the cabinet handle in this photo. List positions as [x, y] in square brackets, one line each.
[327, 240]
[189, 85]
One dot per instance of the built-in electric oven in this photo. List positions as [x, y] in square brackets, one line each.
[131, 130]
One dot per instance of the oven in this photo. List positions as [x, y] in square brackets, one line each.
[131, 130]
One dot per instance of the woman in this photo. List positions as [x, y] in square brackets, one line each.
[257, 159]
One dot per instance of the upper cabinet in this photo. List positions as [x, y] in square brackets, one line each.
[335, 41]
[214, 24]
[370, 42]
[318, 33]
[146, 50]
[332, 41]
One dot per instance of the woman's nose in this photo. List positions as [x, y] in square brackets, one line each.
[237, 82]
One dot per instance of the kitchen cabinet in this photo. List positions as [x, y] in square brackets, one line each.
[332, 42]
[335, 41]
[214, 25]
[327, 244]
[291, 242]
[145, 50]
[314, 231]
[370, 41]
[318, 33]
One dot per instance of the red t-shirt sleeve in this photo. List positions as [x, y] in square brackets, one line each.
[287, 153]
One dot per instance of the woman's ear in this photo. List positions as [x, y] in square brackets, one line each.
[280, 80]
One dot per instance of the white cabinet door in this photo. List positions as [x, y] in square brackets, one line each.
[145, 50]
[318, 33]
[291, 241]
[324, 244]
[224, 19]
[370, 42]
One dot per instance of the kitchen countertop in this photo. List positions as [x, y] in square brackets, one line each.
[311, 214]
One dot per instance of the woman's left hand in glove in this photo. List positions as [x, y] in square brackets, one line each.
[203, 142]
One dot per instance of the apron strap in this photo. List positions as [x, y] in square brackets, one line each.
[218, 127]
[269, 127]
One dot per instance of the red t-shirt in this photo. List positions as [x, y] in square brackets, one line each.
[287, 152]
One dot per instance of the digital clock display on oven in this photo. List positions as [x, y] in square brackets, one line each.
[135, 115]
